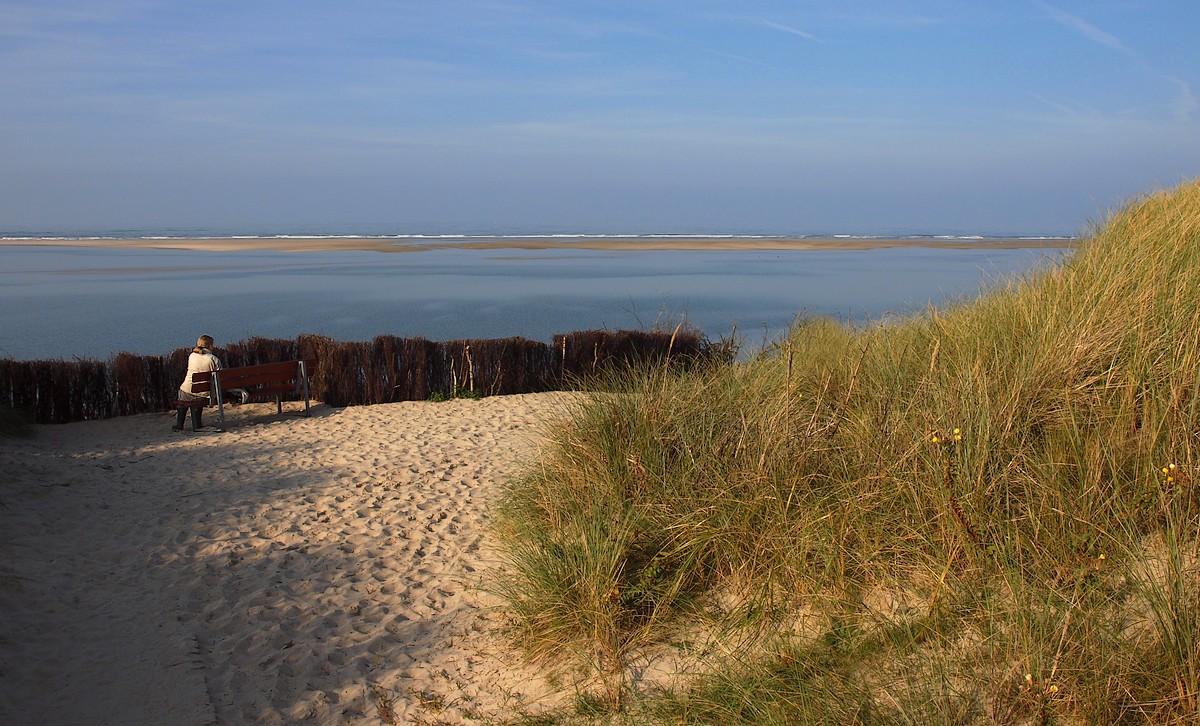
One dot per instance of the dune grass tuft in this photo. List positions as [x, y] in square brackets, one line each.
[984, 514]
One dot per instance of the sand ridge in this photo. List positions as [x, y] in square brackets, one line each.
[629, 244]
[319, 570]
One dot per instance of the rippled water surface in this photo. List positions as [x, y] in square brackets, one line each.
[93, 302]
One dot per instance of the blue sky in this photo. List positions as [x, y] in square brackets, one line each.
[1005, 117]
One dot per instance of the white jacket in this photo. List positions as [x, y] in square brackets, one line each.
[203, 361]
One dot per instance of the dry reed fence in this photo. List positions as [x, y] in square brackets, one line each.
[383, 370]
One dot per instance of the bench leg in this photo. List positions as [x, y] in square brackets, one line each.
[305, 388]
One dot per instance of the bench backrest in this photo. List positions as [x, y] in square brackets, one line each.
[201, 382]
[244, 376]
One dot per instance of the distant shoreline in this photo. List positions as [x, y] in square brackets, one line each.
[629, 244]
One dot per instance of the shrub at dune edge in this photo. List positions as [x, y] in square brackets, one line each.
[15, 422]
[984, 514]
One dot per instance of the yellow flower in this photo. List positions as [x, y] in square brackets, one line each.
[934, 438]
[1054, 689]
[957, 434]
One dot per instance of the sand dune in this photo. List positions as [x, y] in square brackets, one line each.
[321, 570]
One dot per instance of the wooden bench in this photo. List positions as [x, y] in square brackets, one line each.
[261, 382]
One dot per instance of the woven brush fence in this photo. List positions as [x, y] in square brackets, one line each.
[384, 370]
[497, 367]
[257, 350]
[592, 351]
[58, 391]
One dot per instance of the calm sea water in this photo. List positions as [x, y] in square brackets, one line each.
[81, 302]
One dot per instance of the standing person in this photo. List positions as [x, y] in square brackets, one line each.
[201, 359]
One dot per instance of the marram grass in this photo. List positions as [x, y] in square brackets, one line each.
[984, 514]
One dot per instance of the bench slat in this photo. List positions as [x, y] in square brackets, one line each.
[232, 378]
[201, 382]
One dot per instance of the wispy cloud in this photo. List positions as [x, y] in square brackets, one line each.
[1084, 28]
[1069, 111]
[862, 17]
[1185, 104]
[789, 29]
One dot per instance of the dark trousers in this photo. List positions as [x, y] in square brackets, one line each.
[180, 412]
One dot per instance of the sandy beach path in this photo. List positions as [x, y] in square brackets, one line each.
[290, 570]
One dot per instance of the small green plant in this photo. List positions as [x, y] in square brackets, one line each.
[441, 396]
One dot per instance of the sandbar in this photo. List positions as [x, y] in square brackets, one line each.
[392, 244]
